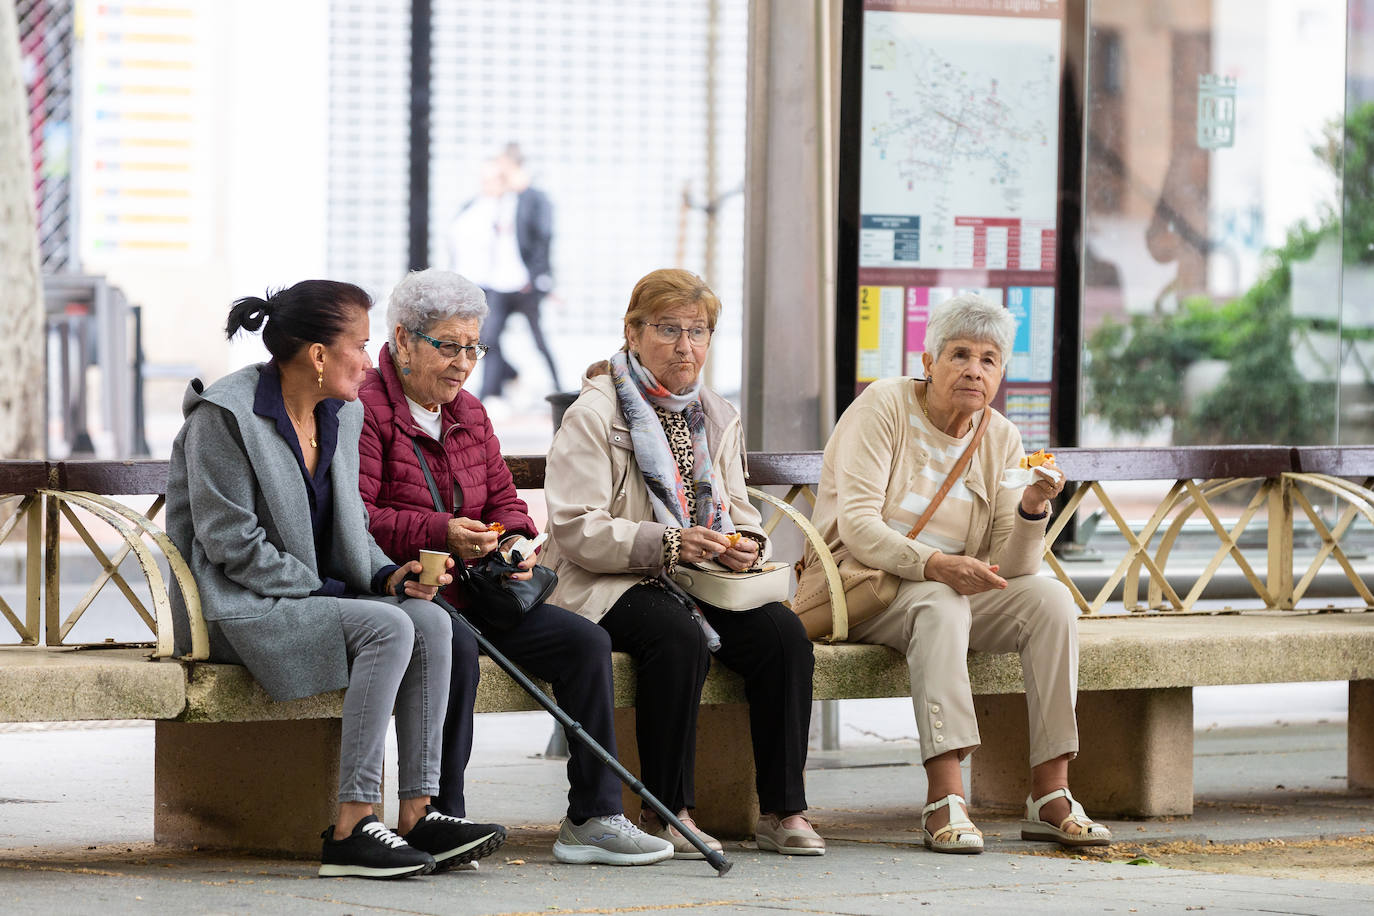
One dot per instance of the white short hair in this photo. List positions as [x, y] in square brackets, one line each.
[970, 317]
[425, 297]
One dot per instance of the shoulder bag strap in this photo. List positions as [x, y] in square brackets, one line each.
[954, 474]
[429, 477]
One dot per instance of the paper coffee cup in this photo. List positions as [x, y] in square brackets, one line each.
[433, 564]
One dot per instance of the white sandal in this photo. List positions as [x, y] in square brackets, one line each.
[1090, 833]
[959, 836]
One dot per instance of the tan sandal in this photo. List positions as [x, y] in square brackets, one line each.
[959, 836]
[1090, 833]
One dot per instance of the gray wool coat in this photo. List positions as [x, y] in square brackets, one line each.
[237, 510]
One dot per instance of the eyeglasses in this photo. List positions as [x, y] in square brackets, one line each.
[669, 333]
[960, 357]
[450, 349]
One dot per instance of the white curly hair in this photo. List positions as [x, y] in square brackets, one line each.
[970, 317]
[425, 297]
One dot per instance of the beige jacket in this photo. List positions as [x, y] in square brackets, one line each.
[603, 538]
[869, 465]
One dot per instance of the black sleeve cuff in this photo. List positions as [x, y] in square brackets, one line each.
[380, 577]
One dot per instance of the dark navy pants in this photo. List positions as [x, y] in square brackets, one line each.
[574, 655]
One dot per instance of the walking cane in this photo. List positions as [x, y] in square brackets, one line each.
[717, 860]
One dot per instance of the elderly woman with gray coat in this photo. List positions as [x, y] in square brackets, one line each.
[263, 501]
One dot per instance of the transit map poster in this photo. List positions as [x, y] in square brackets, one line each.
[958, 160]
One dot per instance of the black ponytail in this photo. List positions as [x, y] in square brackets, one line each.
[247, 314]
[312, 311]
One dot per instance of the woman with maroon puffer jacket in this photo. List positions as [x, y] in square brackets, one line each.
[415, 409]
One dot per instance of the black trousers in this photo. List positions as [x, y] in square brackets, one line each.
[497, 370]
[574, 655]
[766, 646]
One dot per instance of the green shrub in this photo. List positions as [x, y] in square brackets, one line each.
[1134, 371]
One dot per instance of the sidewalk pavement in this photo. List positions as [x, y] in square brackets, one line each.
[75, 837]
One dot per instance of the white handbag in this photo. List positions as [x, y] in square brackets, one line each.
[722, 587]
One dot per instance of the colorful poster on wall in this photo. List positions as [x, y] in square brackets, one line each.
[958, 165]
[148, 147]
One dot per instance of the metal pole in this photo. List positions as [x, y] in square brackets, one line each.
[140, 445]
[712, 204]
[825, 203]
[830, 725]
[420, 41]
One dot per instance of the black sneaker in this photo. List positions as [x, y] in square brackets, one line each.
[371, 851]
[454, 840]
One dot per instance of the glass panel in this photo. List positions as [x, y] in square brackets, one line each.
[631, 119]
[1212, 224]
[1356, 414]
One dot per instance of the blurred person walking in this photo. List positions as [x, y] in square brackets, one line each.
[502, 239]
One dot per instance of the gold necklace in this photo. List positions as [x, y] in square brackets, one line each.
[927, 413]
[314, 442]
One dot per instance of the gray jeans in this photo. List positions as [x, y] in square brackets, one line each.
[399, 655]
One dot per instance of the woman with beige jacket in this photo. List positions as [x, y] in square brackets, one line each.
[646, 472]
[967, 580]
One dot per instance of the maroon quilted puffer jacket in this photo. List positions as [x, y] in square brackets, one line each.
[399, 504]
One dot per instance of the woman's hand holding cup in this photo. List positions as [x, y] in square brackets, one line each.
[412, 588]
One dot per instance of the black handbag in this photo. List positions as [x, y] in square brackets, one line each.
[494, 598]
[498, 600]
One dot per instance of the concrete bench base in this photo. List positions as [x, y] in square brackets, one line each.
[263, 787]
[1359, 752]
[236, 770]
[1135, 757]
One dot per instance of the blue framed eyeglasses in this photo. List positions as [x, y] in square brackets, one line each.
[451, 348]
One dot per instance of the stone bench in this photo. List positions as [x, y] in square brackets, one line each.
[234, 769]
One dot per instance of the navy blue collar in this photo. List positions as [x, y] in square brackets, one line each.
[268, 402]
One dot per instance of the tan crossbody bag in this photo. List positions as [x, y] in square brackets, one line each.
[866, 590]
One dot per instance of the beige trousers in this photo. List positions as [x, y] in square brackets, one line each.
[935, 627]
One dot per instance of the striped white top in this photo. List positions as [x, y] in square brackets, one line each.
[947, 530]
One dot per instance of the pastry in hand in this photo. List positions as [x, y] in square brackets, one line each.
[499, 528]
[1038, 458]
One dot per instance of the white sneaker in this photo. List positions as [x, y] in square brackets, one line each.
[610, 840]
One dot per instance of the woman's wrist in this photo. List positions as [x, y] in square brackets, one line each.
[672, 547]
[931, 569]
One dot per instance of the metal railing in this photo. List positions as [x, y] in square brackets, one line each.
[47, 498]
[1151, 543]
[46, 620]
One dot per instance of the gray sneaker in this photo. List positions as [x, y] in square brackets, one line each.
[610, 840]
